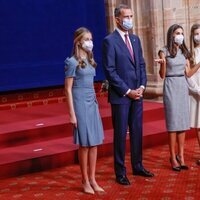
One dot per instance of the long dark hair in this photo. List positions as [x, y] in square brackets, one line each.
[171, 44]
[193, 44]
[78, 34]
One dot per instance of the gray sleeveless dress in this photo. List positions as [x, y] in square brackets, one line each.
[90, 130]
[176, 93]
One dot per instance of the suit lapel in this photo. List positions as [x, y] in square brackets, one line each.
[135, 48]
[122, 44]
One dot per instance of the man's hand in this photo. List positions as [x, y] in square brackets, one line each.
[134, 94]
[140, 91]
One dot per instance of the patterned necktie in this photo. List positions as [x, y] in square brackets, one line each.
[129, 46]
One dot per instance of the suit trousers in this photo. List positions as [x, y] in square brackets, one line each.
[124, 116]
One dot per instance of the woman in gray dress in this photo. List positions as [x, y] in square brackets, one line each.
[174, 66]
[83, 107]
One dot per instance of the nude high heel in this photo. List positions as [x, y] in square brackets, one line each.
[96, 187]
[87, 188]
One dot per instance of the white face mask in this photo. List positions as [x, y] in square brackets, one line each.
[179, 39]
[127, 24]
[197, 39]
[88, 45]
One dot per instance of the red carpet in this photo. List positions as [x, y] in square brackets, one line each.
[36, 135]
[65, 182]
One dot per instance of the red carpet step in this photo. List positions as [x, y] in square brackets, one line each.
[40, 137]
[28, 98]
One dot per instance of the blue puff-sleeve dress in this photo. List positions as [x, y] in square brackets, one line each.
[89, 131]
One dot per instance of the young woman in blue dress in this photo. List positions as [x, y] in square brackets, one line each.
[83, 107]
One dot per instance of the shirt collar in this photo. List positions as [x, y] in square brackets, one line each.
[121, 32]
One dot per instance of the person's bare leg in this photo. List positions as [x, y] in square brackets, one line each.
[172, 148]
[83, 160]
[181, 142]
[92, 169]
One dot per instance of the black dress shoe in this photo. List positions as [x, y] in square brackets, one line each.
[184, 167]
[177, 169]
[144, 173]
[123, 180]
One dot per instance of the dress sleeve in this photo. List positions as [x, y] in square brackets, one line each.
[70, 68]
[193, 87]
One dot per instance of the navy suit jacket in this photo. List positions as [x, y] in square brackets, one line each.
[121, 71]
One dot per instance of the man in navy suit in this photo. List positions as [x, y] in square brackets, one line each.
[126, 72]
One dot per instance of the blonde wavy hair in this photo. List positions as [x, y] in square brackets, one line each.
[78, 35]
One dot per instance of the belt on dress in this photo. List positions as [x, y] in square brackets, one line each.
[175, 75]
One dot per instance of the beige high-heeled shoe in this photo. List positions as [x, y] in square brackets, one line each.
[96, 187]
[87, 188]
